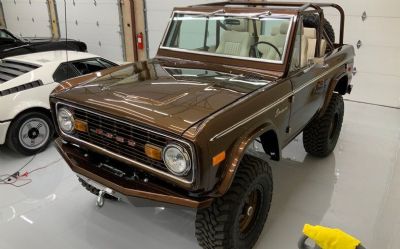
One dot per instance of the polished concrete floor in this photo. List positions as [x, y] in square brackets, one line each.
[357, 189]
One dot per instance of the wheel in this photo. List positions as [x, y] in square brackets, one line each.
[30, 133]
[312, 21]
[321, 135]
[94, 190]
[236, 219]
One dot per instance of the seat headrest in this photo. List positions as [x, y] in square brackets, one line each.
[284, 28]
[275, 30]
[240, 25]
[310, 33]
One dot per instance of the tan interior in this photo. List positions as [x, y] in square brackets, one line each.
[278, 40]
[309, 43]
[236, 40]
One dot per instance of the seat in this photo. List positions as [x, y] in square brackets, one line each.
[236, 41]
[309, 43]
[278, 40]
[275, 30]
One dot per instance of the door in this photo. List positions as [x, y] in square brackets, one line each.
[308, 83]
[309, 89]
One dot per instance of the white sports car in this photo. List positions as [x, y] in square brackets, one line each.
[26, 82]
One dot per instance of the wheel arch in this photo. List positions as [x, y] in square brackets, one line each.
[339, 84]
[40, 109]
[238, 150]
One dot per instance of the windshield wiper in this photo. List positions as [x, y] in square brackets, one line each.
[216, 12]
[266, 13]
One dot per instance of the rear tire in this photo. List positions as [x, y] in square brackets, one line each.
[235, 220]
[321, 135]
[30, 133]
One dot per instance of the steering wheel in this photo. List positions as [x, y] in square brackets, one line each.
[257, 52]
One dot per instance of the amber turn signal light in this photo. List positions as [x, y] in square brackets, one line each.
[218, 158]
[153, 151]
[81, 126]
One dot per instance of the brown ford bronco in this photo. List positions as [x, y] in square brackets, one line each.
[175, 129]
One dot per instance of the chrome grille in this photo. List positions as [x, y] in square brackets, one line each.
[119, 137]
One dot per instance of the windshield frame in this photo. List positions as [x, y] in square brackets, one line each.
[290, 17]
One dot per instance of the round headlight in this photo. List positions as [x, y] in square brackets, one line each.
[177, 159]
[65, 120]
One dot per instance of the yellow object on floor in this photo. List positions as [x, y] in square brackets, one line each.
[329, 238]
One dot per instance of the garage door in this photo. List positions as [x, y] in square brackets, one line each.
[101, 30]
[27, 18]
[158, 16]
[378, 58]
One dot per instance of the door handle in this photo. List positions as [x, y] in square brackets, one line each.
[319, 87]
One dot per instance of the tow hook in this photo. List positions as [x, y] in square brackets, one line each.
[100, 199]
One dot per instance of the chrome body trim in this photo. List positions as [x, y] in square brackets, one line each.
[287, 96]
[139, 164]
[254, 115]
[291, 19]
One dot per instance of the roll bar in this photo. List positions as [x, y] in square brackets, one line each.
[302, 8]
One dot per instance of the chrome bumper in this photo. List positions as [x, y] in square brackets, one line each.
[3, 131]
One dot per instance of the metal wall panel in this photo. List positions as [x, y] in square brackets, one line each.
[378, 58]
[97, 23]
[27, 18]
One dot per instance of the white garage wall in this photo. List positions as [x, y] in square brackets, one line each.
[27, 18]
[97, 23]
[378, 59]
[158, 16]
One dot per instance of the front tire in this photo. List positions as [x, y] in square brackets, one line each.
[236, 220]
[30, 133]
[321, 135]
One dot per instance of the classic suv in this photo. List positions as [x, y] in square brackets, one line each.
[176, 128]
[10, 45]
[26, 82]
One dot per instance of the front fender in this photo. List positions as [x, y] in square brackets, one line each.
[14, 104]
[236, 154]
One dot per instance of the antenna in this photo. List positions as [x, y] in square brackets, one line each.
[66, 34]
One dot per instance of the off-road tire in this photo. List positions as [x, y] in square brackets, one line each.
[321, 135]
[94, 190]
[218, 226]
[12, 140]
[312, 21]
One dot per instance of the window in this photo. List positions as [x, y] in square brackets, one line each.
[88, 66]
[296, 56]
[106, 63]
[230, 35]
[5, 35]
[64, 71]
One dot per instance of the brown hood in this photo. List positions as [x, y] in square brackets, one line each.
[169, 98]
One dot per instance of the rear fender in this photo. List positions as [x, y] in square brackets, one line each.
[331, 89]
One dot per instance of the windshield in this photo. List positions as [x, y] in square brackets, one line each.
[245, 37]
[4, 34]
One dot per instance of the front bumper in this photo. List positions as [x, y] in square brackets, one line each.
[3, 131]
[131, 189]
